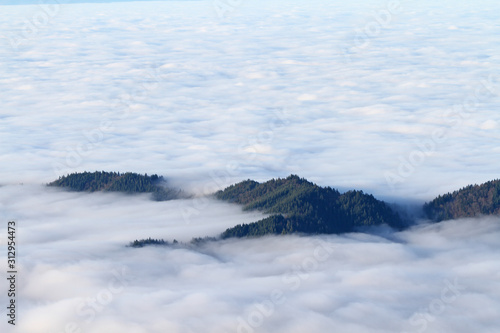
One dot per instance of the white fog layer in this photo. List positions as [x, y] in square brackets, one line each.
[406, 107]
[399, 99]
[76, 270]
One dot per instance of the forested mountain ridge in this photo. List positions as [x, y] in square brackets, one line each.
[298, 205]
[118, 182]
[470, 201]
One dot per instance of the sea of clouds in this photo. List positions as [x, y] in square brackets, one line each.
[77, 275]
[396, 98]
[398, 102]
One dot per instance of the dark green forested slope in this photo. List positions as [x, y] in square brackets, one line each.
[148, 242]
[298, 205]
[118, 182]
[472, 200]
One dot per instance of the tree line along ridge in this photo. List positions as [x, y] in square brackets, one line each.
[294, 204]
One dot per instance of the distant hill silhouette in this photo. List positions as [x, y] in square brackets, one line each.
[118, 182]
[297, 205]
[470, 201]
